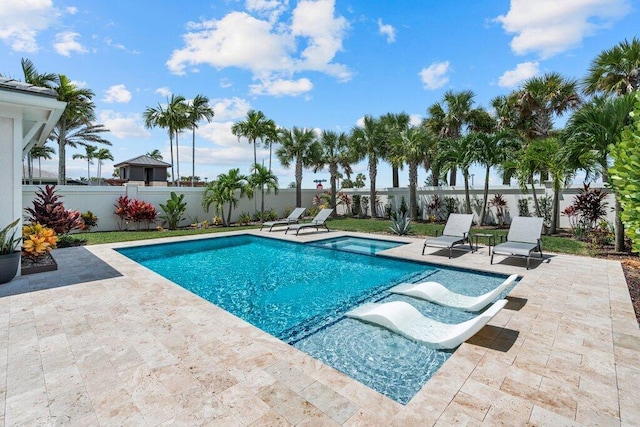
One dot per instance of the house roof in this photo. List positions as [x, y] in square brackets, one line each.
[143, 161]
[17, 86]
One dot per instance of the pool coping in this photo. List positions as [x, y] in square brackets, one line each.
[542, 360]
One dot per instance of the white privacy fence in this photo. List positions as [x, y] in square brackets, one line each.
[102, 200]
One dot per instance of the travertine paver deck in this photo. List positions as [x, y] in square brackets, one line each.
[105, 341]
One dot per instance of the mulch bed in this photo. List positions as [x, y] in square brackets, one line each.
[631, 268]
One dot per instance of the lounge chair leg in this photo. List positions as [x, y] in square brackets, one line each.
[423, 248]
[491, 262]
[528, 258]
[449, 253]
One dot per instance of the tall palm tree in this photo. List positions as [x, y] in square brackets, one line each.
[452, 117]
[413, 146]
[395, 125]
[155, 154]
[101, 155]
[615, 70]
[254, 127]
[40, 153]
[266, 181]
[172, 117]
[32, 76]
[89, 156]
[78, 112]
[199, 109]
[459, 153]
[298, 146]
[335, 153]
[369, 141]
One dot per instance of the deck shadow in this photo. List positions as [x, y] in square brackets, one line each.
[515, 303]
[75, 265]
[495, 338]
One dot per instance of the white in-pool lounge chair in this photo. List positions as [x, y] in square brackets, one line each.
[435, 292]
[405, 319]
[293, 218]
[523, 238]
[456, 231]
[318, 221]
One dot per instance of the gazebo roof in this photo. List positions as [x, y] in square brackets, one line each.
[143, 161]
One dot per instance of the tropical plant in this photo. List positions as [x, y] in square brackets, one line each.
[335, 152]
[298, 146]
[198, 109]
[89, 156]
[434, 206]
[41, 152]
[546, 210]
[394, 125]
[590, 206]
[136, 211]
[615, 70]
[266, 181]
[33, 77]
[523, 207]
[369, 140]
[101, 155]
[500, 203]
[355, 207]
[244, 218]
[9, 243]
[173, 210]
[400, 223]
[49, 211]
[459, 153]
[155, 154]
[223, 191]
[255, 127]
[90, 220]
[37, 240]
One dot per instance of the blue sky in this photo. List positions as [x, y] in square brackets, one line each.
[314, 63]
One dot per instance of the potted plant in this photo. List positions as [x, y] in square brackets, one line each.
[9, 253]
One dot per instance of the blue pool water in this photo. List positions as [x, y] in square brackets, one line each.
[357, 244]
[299, 294]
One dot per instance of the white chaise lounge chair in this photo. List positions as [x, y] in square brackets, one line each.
[435, 292]
[293, 218]
[523, 238]
[317, 222]
[405, 319]
[455, 232]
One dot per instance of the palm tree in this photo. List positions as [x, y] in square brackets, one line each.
[198, 109]
[32, 76]
[452, 117]
[413, 146]
[369, 141]
[79, 112]
[171, 118]
[155, 154]
[615, 70]
[395, 124]
[101, 155]
[255, 126]
[266, 180]
[223, 190]
[40, 153]
[459, 153]
[300, 147]
[335, 153]
[89, 156]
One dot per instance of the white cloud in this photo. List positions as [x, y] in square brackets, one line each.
[21, 21]
[227, 109]
[280, 88]
[522, 72]
[415, 119]
[66, 43]
[71, 10]
[225, 83]
[549, 27]
[272, 50]
[164, 91]
[435, 75]
[117, 93]
[387, 30]
[123, 125]
[226, 150]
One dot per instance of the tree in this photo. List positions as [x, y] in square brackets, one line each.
[254, 127]
[33, 77]
[39, 153]
[395, 124]
[172, 118]
[199, 109]
[452, 117]
[101, 155]
[368, 141]
[155, 154]
[459, 153]
[300, 147]
[413, 146]
[223, 190]
[89, 156]
[78, 114]
[335, 153]
[266, 180]
[615, 70]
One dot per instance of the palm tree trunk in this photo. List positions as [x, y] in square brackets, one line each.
[485, 200]
[193, 157]
[30, 167]
[452, 176]
[255, 162]
[262, 204]
[173, 175]
[333, 174]
[299, 181]
[556, 208]
[178, 157]
[40, 170]
[467, 196]
[270, 149]
[535, 196]
[618, 227]
[373, 172]
[396, 176]
[88, 171]
[229, 214]
[62, 136]
[413, 194]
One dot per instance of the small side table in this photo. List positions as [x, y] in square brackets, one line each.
[491, 240]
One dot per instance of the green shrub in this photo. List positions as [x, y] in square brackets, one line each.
[173, 210]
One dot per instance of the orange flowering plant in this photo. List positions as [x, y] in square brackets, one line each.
[37, 240]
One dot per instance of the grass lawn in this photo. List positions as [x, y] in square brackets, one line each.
[379, 226]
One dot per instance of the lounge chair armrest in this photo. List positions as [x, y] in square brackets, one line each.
[503, 238]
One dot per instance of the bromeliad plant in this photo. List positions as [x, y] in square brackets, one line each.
[9, 243]
[38, 240]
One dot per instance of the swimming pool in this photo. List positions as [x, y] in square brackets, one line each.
[299, 294]
[357, 244]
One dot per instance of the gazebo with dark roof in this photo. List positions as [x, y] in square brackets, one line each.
[144, 170]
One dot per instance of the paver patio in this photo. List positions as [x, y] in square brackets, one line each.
[105, 341]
